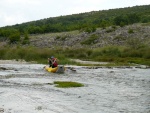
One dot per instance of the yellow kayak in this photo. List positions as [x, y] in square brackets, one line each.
[58, 69]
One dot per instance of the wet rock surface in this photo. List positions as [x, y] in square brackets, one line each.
[30, 89]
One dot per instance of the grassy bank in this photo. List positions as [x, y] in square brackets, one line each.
[117, 55]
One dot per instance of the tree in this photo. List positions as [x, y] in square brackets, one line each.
[26, 38]
[14, 38]
[133, 18]
[103, 24]
[121, 20]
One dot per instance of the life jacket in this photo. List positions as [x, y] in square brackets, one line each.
[55, 64]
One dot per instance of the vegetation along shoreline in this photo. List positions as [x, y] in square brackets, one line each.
[118, 36]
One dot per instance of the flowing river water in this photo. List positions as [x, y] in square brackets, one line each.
[28, 88]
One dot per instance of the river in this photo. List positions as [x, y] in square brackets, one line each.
[28, 88]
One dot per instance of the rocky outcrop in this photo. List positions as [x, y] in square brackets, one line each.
[132, 35]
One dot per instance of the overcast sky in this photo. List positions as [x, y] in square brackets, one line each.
[18, 11]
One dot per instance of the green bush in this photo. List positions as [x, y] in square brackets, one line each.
[90, 40]
[130, 31]
[67, 84]
[119, 38]
[2, 52]
[14, 37]
[108, 30]
[58, 37]
[107, 51]
[108, 54]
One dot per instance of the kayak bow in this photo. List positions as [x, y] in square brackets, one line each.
[58, 69]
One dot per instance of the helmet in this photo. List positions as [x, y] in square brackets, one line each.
[52, 56]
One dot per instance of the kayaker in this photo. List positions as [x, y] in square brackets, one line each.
[52, 62]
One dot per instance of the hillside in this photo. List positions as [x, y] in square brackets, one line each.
[118, 35]
[83, 22]
[122, 45]
[135, 35]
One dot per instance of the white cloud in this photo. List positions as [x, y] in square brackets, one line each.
[18, 11]
[142, 2]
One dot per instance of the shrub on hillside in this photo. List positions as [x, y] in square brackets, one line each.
[130, 31]
[90, 40]
[13, 38]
